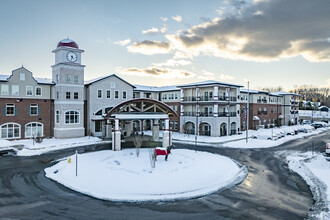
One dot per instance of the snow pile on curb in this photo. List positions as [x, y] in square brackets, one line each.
[122, 176]
[314, 169]
[52, 144]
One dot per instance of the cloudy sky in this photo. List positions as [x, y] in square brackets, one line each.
[267, 42]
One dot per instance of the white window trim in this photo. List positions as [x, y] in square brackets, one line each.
[107, 94]
[2, 86]
[27, 90]
[74, 95]
[12, 89]
[74, 79]
[97, 95]
[69, 122]
[29, 136]
[66, 97]
[22, 78]
[38, 87]
[31, 109]
[14, 109]
[68, 77]
[123, 94]
[57, 122]
[115, 94]
[19, 127]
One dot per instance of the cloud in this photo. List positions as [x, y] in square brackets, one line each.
[123, 42]
[164, 19]
[206, 75]
[177, 18]
[264, 30]
[173, 62]
[154, 30]
[150, 47]
[226, 77]
[150, 31]
[163, 73]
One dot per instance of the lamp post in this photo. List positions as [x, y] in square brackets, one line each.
[247, 113]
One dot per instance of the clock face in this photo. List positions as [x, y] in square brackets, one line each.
[71, 56]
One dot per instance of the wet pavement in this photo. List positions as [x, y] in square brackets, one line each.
[270, 191]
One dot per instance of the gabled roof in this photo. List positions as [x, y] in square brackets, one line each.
[156, 89]
[89, 82]
[45, 81]
[207, 83]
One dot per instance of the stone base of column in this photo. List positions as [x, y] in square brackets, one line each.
[116, 141]
[155, 132]
[167, 138]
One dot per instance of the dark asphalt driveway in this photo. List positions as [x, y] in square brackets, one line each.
[270, 191]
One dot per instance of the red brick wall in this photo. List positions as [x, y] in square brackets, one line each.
[254, 111]
[22, 117]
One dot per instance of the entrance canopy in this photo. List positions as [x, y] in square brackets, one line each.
[141, 108]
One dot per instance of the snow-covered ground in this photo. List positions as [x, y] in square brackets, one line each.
[239, 141]
[26, 147]
[122, 176]
[314, 169]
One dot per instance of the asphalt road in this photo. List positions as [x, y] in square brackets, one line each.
[270, 191]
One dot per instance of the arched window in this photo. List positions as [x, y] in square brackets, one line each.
[10, 130]
[34, 129]
[71, 117]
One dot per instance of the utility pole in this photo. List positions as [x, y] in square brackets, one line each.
[247, 113]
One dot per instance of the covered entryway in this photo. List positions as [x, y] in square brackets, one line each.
[189, 128]
[205, 129]
[140, 111]
[223, 129]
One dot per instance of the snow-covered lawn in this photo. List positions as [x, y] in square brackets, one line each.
[314, 169]
[26, 147]
[122, 176]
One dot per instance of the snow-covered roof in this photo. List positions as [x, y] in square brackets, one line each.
[4, 78]
[208, 82]
[250, 91]
[284, 93]
[155, 89]
[88, 82]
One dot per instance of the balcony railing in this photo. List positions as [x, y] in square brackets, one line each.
[209, 98]
[206, 98]
[189, 113]
[258, 100]
[227, 114]
[206, 114]
[189, 98]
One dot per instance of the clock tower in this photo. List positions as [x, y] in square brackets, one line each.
[68, 74]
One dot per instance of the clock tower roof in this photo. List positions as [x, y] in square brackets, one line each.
[67, 43]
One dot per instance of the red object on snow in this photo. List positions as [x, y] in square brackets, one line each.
[162, 151]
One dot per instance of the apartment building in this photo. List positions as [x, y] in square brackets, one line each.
[265, 109]
[27, 105]
[101, 95]
[290, 107]
[211, 105]
[169, 95]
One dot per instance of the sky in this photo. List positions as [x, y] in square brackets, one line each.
[269, 43]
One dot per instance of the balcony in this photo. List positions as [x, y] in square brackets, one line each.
[258, 100]
[227, 114]
[206, 98]
[206, 114]
[189, 113]
[264, 100]
[189, 98]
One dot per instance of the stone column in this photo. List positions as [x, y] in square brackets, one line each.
[116, 142]
[215, 93]
[107, 130]
[181, 110]
[128, 128]
[215, 110]
[182, 95]
[155, 130]
[167, 137]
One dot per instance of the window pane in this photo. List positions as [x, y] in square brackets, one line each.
[4, 90]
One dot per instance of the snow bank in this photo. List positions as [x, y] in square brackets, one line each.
[52, 144]
[314, 169]
[122, 176]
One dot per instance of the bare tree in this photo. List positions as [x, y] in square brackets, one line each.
[137, 140]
